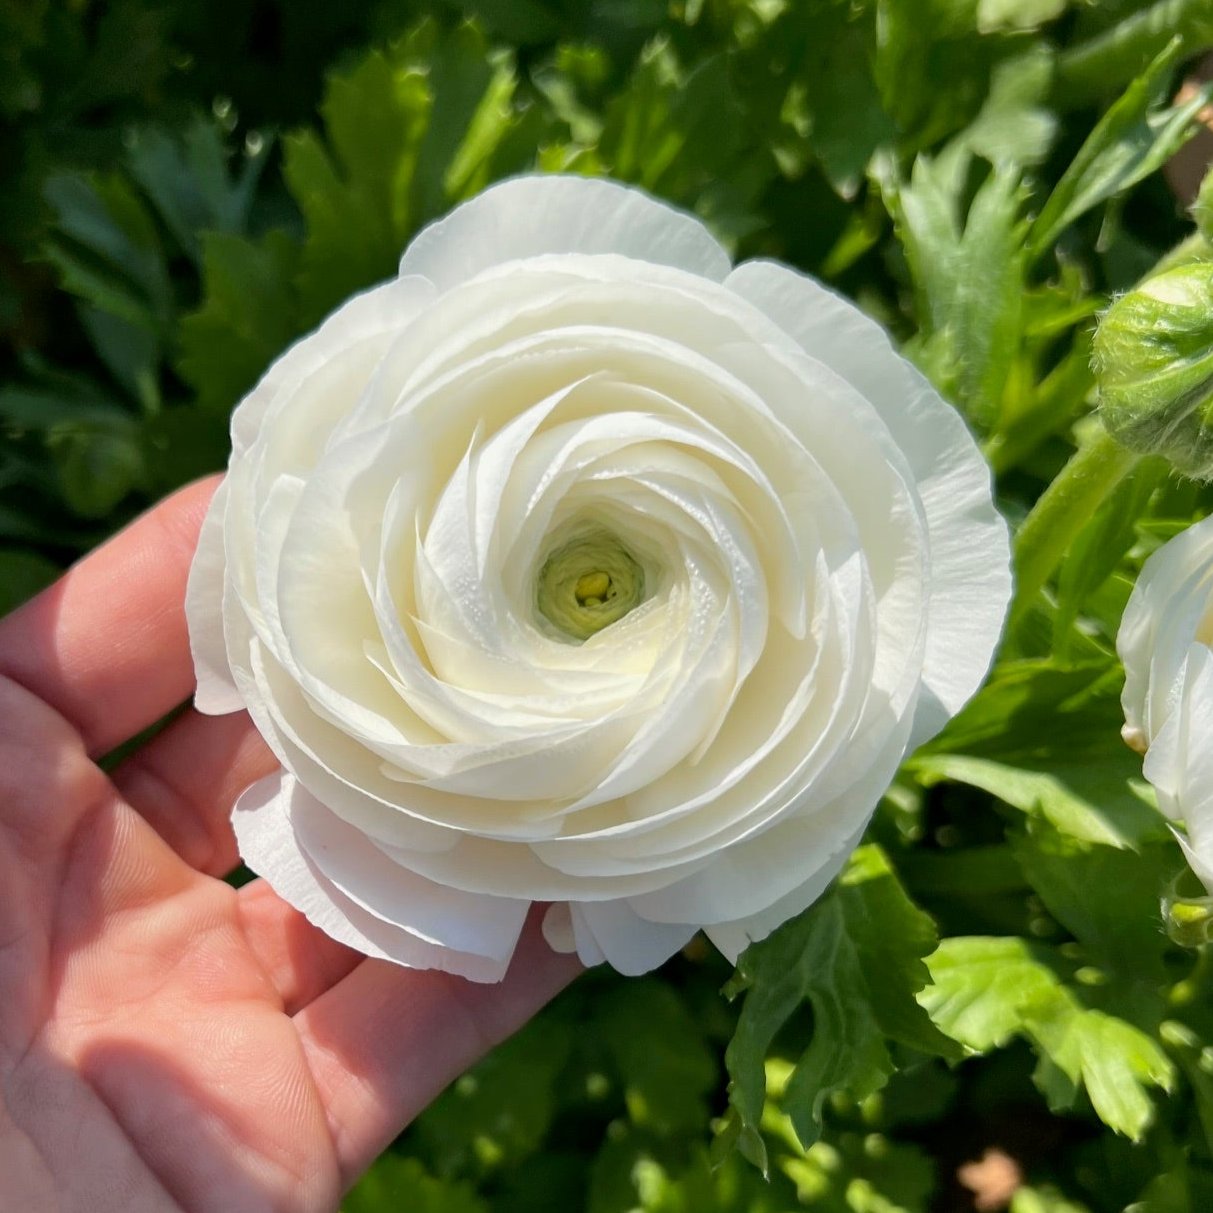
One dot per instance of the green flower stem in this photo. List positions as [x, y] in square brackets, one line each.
[1111, 59]
[1063, 510]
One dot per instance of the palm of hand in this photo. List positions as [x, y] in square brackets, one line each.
[166, 1041]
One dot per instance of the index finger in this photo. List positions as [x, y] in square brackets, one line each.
[106, 646]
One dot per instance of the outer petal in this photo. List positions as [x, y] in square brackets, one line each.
[217, 693]
[533, 216]
[732, 938]
[1163, 616]
[1180, 763]
[969, 546]
[270, 846]
[628, 942]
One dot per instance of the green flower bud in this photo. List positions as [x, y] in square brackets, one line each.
[1153, 360]
[588, 583]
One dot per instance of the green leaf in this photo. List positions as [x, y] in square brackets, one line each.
[107, 251]
[188, 179]
[402, 1183]
[969, 283]
[1109, 805]
[985, 990]
[499, 1112]
[1137, 136]
[856, 958]
[98, 466]
[809, 81]
[1094, 556]
[635, 1174]
[1046, 740]
[665, 1065]
[1017, 14]
[1107, 898]
[353, 189]
[130, 352]
[248, 316]
[1014, 126]
[852, 1174]
[678, 134]
[407, 133]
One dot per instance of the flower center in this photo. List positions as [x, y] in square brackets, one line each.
[587, 583]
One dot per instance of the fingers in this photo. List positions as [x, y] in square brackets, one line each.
[106, 645]
[385, 1041]
[301, 961]
[185, 780]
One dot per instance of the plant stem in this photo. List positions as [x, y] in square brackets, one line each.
[1064, 508]
[1111, 59]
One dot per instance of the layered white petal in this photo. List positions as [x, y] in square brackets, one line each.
[564, 363]
[969, 545]
[528, 217]
[1164, 642]
[269, 844]
[1170, 606]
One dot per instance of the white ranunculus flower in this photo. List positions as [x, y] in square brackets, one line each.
[1164, 642]
[576, 566]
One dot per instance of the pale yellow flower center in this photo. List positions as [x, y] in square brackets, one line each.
[588, 583]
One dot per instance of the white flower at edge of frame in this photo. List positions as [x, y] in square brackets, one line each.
[1164, 640]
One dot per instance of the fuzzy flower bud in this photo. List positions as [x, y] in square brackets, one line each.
[1153, 359]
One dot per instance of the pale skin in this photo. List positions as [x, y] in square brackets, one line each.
[167, 1042]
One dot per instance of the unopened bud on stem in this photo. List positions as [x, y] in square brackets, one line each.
[1153, 359]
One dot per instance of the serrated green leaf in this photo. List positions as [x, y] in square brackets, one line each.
[985, 990]
[1137, 136]
[969, 282]
[107, 251]
[248, 316]
[1014, 126]
[353, 189]
[472, 90]
[678, 134]
[856, 958]
[189, 180]
[407, 134]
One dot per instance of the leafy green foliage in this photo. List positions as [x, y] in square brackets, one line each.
[855, 958]
[985, 990]
[187, 189]
[969, 281]
[395, 1182]
[1036, 737]
[1133, 139]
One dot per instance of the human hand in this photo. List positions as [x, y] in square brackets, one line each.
[166, 1041]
